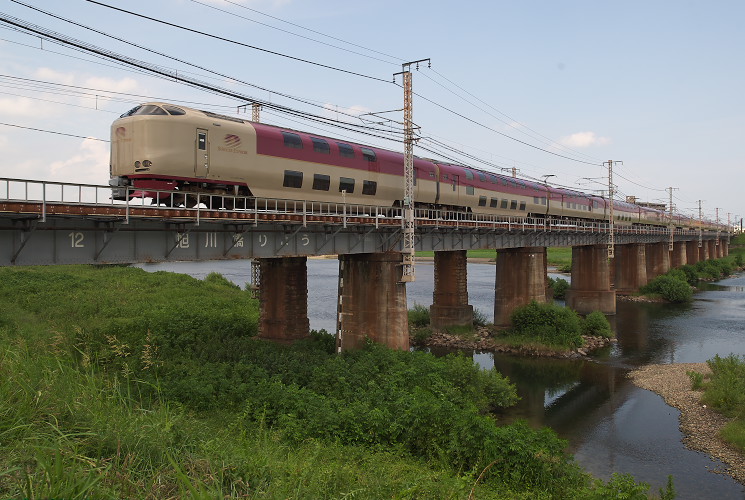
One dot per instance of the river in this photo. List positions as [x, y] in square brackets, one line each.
[611, 425]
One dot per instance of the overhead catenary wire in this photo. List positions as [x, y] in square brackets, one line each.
[174, 75]
[54, 132]
[228, 40]
[214, 7]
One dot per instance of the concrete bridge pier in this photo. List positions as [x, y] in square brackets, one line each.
[631, 268]
[703, 251]
[725, 248]
[692, 252]
[283, 299]
[713, 249]
[450, 298]
[520, 279]
[590, 289]
[372, 301]
[679, 255]
[658, 260]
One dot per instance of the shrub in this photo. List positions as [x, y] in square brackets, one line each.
[670, 288]
[739, 261]
[597, 324]
[220, 280]
[479, 318]
[549, 324]
[691, 274]
[560, 287]
[726, 390]
[419, 316]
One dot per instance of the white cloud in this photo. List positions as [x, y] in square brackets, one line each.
[89, 165]
[101, 83]
[18, 106]
[54, 76]
[584, 140]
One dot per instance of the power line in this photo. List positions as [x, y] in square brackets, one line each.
[171, 74]
[295, 34]
[53, 132]
[549, 142]
[309, 29]
[216, 37]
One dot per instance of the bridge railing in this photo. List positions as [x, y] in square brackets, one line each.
[204, 204]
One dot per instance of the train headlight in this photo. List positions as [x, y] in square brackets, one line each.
[137, 164]
[147, 163]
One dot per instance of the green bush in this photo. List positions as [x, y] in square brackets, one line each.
[739, 261]
[691, 274]
[479, 318]
[419, 316]
[560, 287]
[726, 389]
[548, 324]
[670, 288]
[596, 324]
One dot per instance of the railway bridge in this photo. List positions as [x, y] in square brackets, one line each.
[48, 223]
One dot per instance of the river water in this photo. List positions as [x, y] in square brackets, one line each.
[611, 425]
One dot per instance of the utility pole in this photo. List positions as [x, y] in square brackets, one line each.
[611, 192]
[717, 209]
[672, 223]
[700, 224]
[255, 109]
[408, 201]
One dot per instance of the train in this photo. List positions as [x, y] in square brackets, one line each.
[158, 147]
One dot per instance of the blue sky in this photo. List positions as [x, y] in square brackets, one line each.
[656, 84]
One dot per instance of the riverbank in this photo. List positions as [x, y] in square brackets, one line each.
[699, 424]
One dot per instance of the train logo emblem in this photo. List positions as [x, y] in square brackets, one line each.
[121, 132]
[232, 141]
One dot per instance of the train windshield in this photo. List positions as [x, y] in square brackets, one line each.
[147, 109]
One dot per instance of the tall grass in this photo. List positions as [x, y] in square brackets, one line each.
[118, 383]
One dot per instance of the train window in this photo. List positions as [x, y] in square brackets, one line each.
[494, 202]
[173, 110]
[321, 182]
[345, 150]
[482, 201]
[130, 112]
[493, 179]
[292, 140]
[513, 205]
[469, 174]
[320, 146]
[148, 109]
[444, 177]
[293, 179]
[368, 154]
[482, 177]
[346, 184]
[432, 174]
[543, 200]
[503, 204]
[369, 187]
[469, 189]
[202, 141]
[535, 200]
[522, 205]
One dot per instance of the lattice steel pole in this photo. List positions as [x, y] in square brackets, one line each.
[671, 225]
[255, 112]
[700, 224]
[408, 202]
[611, 192]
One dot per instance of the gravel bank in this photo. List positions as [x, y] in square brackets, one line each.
[700, 425]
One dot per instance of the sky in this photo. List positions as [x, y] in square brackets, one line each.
[552, 88]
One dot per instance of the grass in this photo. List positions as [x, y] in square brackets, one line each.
[117, 383]
[724, 390]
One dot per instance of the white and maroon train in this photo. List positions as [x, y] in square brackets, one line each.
[159, 146]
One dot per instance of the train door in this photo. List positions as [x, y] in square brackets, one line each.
[202, 161]
[455, 189]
